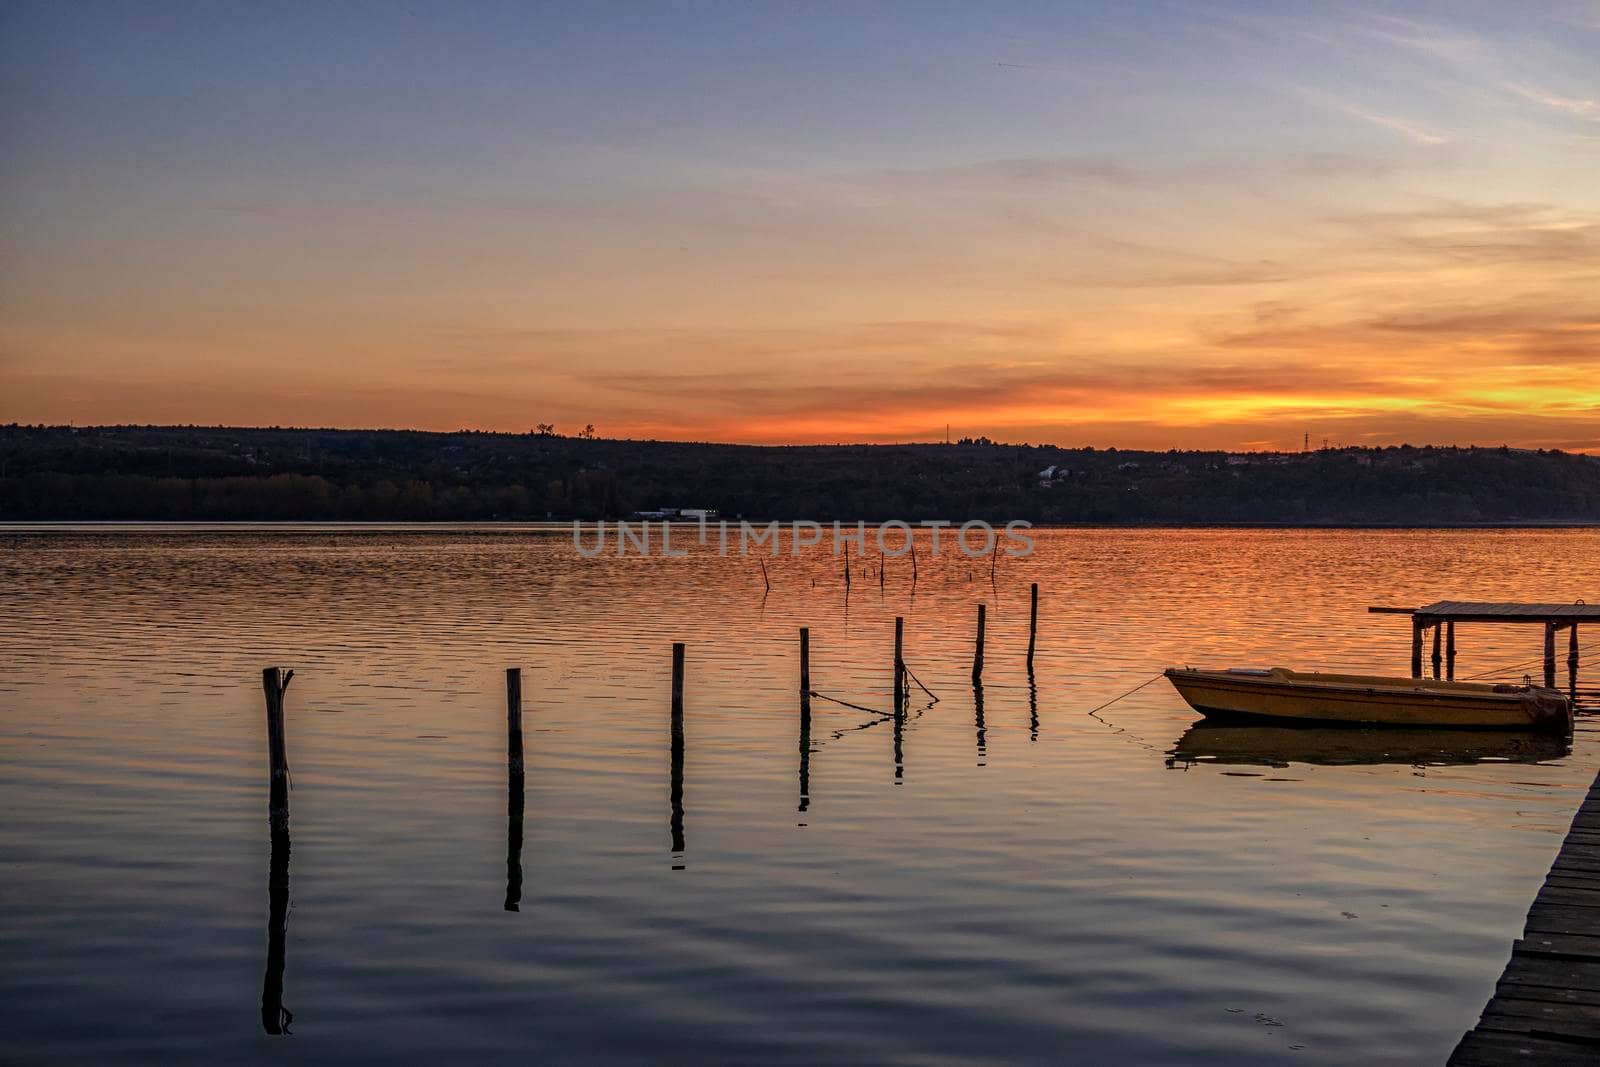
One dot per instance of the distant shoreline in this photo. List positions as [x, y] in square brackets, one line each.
[229, 475]
[542, 526]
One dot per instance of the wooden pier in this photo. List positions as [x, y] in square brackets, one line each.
[1546, 1008]
[1443, 616]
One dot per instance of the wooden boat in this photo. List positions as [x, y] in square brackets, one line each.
[1286, 696]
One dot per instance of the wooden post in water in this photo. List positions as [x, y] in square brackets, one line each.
[514, 720]
[1437, 658]
[1450, 651]
[275, 683]
[677, 687]
[1550, 655]
[677, 747]
[1416, 646]
[1033, 621]
[1572, 661]
[805, 664]
[977, 652]
[899, 665]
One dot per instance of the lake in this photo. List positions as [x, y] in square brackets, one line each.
[1010, 876]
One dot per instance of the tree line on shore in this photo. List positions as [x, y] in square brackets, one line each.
[223, 473]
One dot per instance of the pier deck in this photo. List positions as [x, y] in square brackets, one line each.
[1546, 1007]
[1442, 616]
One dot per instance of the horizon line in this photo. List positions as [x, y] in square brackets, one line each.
[980, 441]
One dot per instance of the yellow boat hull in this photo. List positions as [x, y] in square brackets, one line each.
[1370, 700]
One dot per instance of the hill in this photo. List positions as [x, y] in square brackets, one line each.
[222, 473]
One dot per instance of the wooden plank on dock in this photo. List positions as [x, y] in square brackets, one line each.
[1480, 611]
[1546, 1007]
[1577, 1022]
[1496, 1048]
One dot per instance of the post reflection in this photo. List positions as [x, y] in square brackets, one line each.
[899, 744]
[275, 1018]
[981, 729]
[676, 819]
[1033, 707]
[805, 751]
[676, 822]
[515, 797]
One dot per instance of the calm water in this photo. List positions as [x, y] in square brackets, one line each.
[1011, 878]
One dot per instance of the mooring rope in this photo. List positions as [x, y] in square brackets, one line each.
[1525, 663]
[1129, 693]
[1133, 738]
[1093, 712]
[914, 678]
[846, 703]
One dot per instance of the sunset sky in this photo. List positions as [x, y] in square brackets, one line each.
[1142, 225]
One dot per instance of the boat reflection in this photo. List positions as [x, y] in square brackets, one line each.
[1280, 746]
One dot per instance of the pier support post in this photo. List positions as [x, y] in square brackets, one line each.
[1416, 646]
[977, 651]
[1437, 658]
[899, 664]
[1572, 661]
[1033, 621]
[1450, 651]
[1550, 655]
[275, 683]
